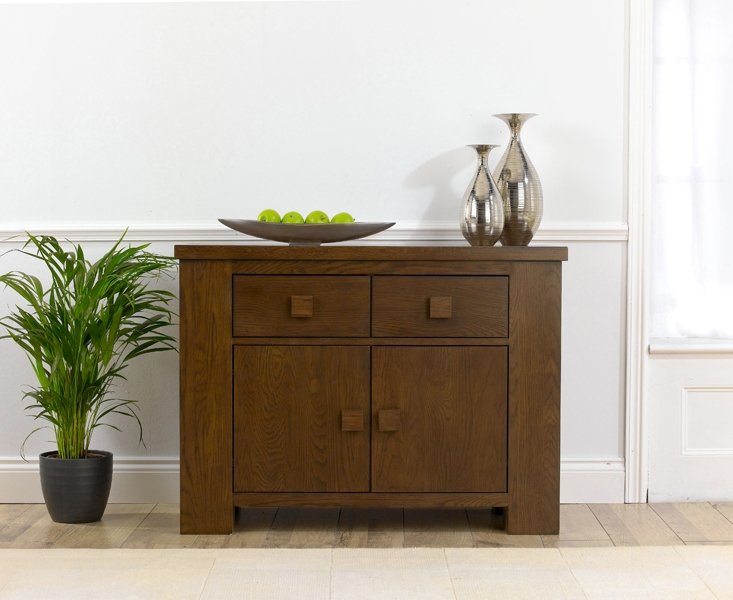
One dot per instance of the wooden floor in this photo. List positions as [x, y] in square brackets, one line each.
[156, 526]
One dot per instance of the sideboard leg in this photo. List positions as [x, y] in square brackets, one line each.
[534, 399]
[206, 397]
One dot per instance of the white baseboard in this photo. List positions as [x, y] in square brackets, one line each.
[153, 480]
[135, 481]
[596, 481]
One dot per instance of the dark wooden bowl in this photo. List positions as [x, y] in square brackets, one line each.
[305, 234]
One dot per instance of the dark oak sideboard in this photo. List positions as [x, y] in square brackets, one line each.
[370, 376]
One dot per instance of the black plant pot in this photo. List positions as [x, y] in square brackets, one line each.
[76, 490]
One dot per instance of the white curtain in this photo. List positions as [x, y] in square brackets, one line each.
[692, 189]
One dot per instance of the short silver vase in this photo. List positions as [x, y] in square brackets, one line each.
[519, 186]
[482, 212]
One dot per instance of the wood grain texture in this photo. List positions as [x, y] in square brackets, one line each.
[419, 253]
[206, 397]
[303, 528]
[441, 307]
[33, 528]
[453, 419]
[437, 528]
[362, 527]
[577, 524]
[372, 341]
[695, 522]
[372, 499]
[725, 509]
[339, 306]
[634, 525]
[10, 512]
[530, 343]
[370, 528]
[487, 530]
[401, 306]
[352, 420]
[251, 528]
[534, 399]
[389, 420]
[287, 419]
[301, 306]
[117, 524]
[368, 267]
[160, 529]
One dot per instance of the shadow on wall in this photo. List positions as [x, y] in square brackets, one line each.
[437, 174]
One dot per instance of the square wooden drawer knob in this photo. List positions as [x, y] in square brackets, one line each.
[301, 306]
[389, 420]
[440, 307]
[352, 420]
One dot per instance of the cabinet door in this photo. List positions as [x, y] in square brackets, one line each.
[439, 419]
[296, 419]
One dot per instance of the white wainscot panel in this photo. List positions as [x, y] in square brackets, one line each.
[690, 426]
[707, 421]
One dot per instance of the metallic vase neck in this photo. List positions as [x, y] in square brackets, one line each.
[483, 152]
[515, 121]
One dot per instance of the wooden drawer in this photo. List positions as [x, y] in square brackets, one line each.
[301, 306]
[451, 306]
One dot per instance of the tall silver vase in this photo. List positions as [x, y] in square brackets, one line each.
[482, 213]
[519, 186]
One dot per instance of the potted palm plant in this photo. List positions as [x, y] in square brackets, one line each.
[80, 333]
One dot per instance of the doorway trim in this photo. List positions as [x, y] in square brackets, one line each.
[638, 189]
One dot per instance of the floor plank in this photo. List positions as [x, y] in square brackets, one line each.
[370, 528]
[708, 543]
[578, 543]
[437, 528]
[34, 529]
[695, 521]
[577, 524]
[10, 512]
[487, 531]
[251, 527]
[303, 528]
[117, 524]
[160, 529]
[137, 526]
[725, 509]
[634, 525]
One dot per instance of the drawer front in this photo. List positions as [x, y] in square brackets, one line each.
[301, 306]
[451, 306]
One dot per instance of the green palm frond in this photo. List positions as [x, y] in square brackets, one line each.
[81, 332]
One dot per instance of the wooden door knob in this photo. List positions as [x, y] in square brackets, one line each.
[352, 420]
[440, 307]
[301, 306]
[389, 420]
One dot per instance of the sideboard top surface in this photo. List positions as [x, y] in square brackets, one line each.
[379, 253]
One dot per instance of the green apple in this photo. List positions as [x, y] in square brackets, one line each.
[269, 216]
[317, 216]
[293, 217]
[342, 218]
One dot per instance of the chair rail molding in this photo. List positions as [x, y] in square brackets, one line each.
[638, 191]
[402, 232]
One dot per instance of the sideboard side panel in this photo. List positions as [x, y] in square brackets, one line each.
[206, 397]
[534, 398]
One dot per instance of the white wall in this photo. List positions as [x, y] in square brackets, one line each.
[168, 116]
